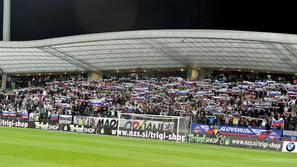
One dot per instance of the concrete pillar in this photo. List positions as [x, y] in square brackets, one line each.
[192, 74]
[3, 84]
[95, 76]
[6, 20]
[204, 73]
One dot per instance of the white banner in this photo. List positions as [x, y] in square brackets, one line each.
[147, 125]
[290, 147]
[290, 133]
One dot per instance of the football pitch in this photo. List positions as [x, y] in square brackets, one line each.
[41, 148]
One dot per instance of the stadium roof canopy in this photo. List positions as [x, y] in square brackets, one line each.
[153, 49]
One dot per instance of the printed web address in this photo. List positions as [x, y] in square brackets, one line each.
[13, 123]
[259, 144]
[150, 135]
[248, 143]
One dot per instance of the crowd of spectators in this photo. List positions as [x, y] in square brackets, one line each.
[265, 104]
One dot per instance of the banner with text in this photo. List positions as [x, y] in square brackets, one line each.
[236, 142]
[243, 132]
[15, 122]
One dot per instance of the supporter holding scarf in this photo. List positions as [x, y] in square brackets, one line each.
[277, 122]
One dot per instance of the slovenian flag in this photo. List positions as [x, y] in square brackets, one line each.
[277, 123]
[12, 114]
[54, 117]
[5, 113]
[24, 115]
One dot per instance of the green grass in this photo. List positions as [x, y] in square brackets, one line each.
[40, 148]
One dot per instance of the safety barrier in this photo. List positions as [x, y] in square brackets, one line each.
[220, 135]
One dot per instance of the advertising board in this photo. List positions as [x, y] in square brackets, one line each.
[244, 132]
[289, 147]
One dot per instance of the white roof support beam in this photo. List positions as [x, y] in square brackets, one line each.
[68, 58]
[173, 54]
[291, 49]
[6, 20]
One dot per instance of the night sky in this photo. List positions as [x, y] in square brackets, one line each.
[39, 19]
